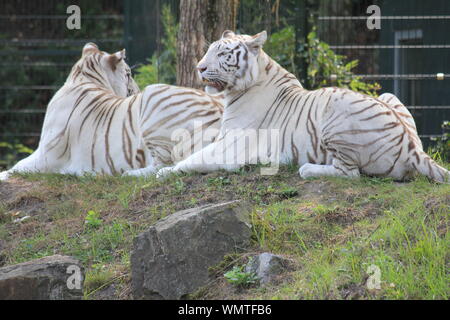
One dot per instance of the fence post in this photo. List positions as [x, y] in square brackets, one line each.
[301, 34]
[140, 22]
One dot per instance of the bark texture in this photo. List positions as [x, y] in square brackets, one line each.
[201, 23]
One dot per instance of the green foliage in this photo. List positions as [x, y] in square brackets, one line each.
[10, 152]
[162, 68]
[441, 150]
[219, 181]
[288, 192]
[179, 186]
[323, 210]
[281, 48]
[148, 73]
[168, 57]
[93, 220]
[96, 278]
[239, 277]
[322, 62]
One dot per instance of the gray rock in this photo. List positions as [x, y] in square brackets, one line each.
[171, 259]
[267, 266]
[49, 278]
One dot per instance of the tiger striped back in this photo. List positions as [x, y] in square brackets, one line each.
[174, 108]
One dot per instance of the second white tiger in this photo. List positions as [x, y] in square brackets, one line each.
[98, 122]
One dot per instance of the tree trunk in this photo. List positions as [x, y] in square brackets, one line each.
[201, 23]
[221, 16]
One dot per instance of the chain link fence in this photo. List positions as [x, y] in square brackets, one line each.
[37, 51]
[409, 55]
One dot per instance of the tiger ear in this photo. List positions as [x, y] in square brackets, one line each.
[256, 42]
[115, 58]
[123, 54]
[228, 34]
[89, 47]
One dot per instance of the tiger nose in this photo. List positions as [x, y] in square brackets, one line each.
[201, 69]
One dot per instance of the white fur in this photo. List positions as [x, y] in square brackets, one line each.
[327, 132]
[134, 133]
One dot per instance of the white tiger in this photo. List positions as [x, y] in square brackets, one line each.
[99, 122]
[327, 132]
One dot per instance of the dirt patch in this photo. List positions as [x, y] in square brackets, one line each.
[347, 216]
[31, 197]
[14, 186]
[435, 205]
[29, 204]
[353, 291]
[221, 187]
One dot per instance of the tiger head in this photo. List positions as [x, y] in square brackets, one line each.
[231, 62]
[108, 70]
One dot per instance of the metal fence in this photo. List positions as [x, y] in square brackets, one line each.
[37, 52]
[409, 55]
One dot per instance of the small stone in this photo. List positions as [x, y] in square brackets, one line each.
[267, 266]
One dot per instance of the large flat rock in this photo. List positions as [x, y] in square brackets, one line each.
[171, 259]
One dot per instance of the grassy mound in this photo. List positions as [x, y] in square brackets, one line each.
[340, 233]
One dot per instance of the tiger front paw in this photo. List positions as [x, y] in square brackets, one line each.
[144, 172]
[308, 170]
[165, 172]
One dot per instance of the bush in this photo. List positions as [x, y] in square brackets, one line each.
[240, 278]
[281, 48]
[441, 150]
[322, 62]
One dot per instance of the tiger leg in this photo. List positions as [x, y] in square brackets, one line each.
[4, 175]
[28, 165]
[219, 155]
[337, 169]
[392, 101]
[147, 171]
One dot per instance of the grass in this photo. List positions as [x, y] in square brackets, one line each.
[407, 238]
[335, 230]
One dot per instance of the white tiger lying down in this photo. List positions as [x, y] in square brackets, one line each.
[98, 122]
[328, 132]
